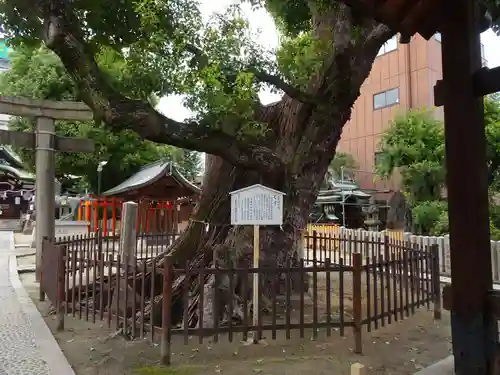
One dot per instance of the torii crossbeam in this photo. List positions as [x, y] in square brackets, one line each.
[45, 143]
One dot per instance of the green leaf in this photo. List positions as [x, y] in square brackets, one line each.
[38, 73]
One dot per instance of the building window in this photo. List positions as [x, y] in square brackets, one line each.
[390, 45]
[386, 98]
[437, 36]
[378, 158]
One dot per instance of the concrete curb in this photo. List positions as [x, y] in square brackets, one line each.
[45, 341]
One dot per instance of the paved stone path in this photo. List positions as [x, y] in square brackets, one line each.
[26, 343]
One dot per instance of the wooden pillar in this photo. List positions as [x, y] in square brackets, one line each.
[473, 330]
[177, 209]
[114, 208]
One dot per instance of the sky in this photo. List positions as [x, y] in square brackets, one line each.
[260, 21]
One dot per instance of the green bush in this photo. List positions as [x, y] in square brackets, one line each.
[441, 226]
[428, 217]
[431, 218]
[494, 232]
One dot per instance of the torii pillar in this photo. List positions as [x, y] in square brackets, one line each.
[46, 143]
[473, 328]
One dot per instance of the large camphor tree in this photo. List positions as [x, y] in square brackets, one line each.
[165, 46]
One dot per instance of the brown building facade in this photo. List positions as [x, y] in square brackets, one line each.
[403, 77]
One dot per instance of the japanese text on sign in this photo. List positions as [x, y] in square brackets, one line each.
[257, 206]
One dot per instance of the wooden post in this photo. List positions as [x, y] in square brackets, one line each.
[105, 217]
[474, 331]
[61, 286]
[87, 211]
[80, 210]
[166, 318]
[256, 257]
[177, 211]
[96, 214]
[436, 281]
[314, 248]
[386, 248]
[302, 245]
[128, 233]
[356, 302]
[114, 208]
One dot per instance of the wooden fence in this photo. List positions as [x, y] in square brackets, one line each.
[339, 286]
[442, 243]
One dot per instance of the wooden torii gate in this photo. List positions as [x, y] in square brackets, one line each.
[473, 303]
[45, 143]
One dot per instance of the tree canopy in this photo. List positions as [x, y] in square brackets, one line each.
[166, 47]
[342, 161]
[414, 146]
[38, 73]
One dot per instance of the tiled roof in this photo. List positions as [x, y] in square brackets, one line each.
[18, 173]
[149, 174]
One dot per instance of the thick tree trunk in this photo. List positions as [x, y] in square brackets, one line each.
[303, 132]
[210, 239]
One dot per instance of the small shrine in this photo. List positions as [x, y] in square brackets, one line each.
[165, 196]
[17, 185]
[341, 203]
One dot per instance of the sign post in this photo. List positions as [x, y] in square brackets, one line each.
[256, 205]
[256, 285]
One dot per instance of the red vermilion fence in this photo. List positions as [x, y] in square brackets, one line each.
[338, 284]
[103, 214]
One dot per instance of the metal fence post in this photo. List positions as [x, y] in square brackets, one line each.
[166, 321]
[356, 300]
[436, 282]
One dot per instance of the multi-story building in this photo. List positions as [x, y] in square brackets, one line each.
[402, 78]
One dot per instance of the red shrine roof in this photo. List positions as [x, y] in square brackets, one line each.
[160, 180]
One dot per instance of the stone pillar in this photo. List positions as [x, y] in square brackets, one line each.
[128, 232]
[45, 189]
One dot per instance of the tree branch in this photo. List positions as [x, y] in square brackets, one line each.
[261, 76]
[62, 35]
[357, 40]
